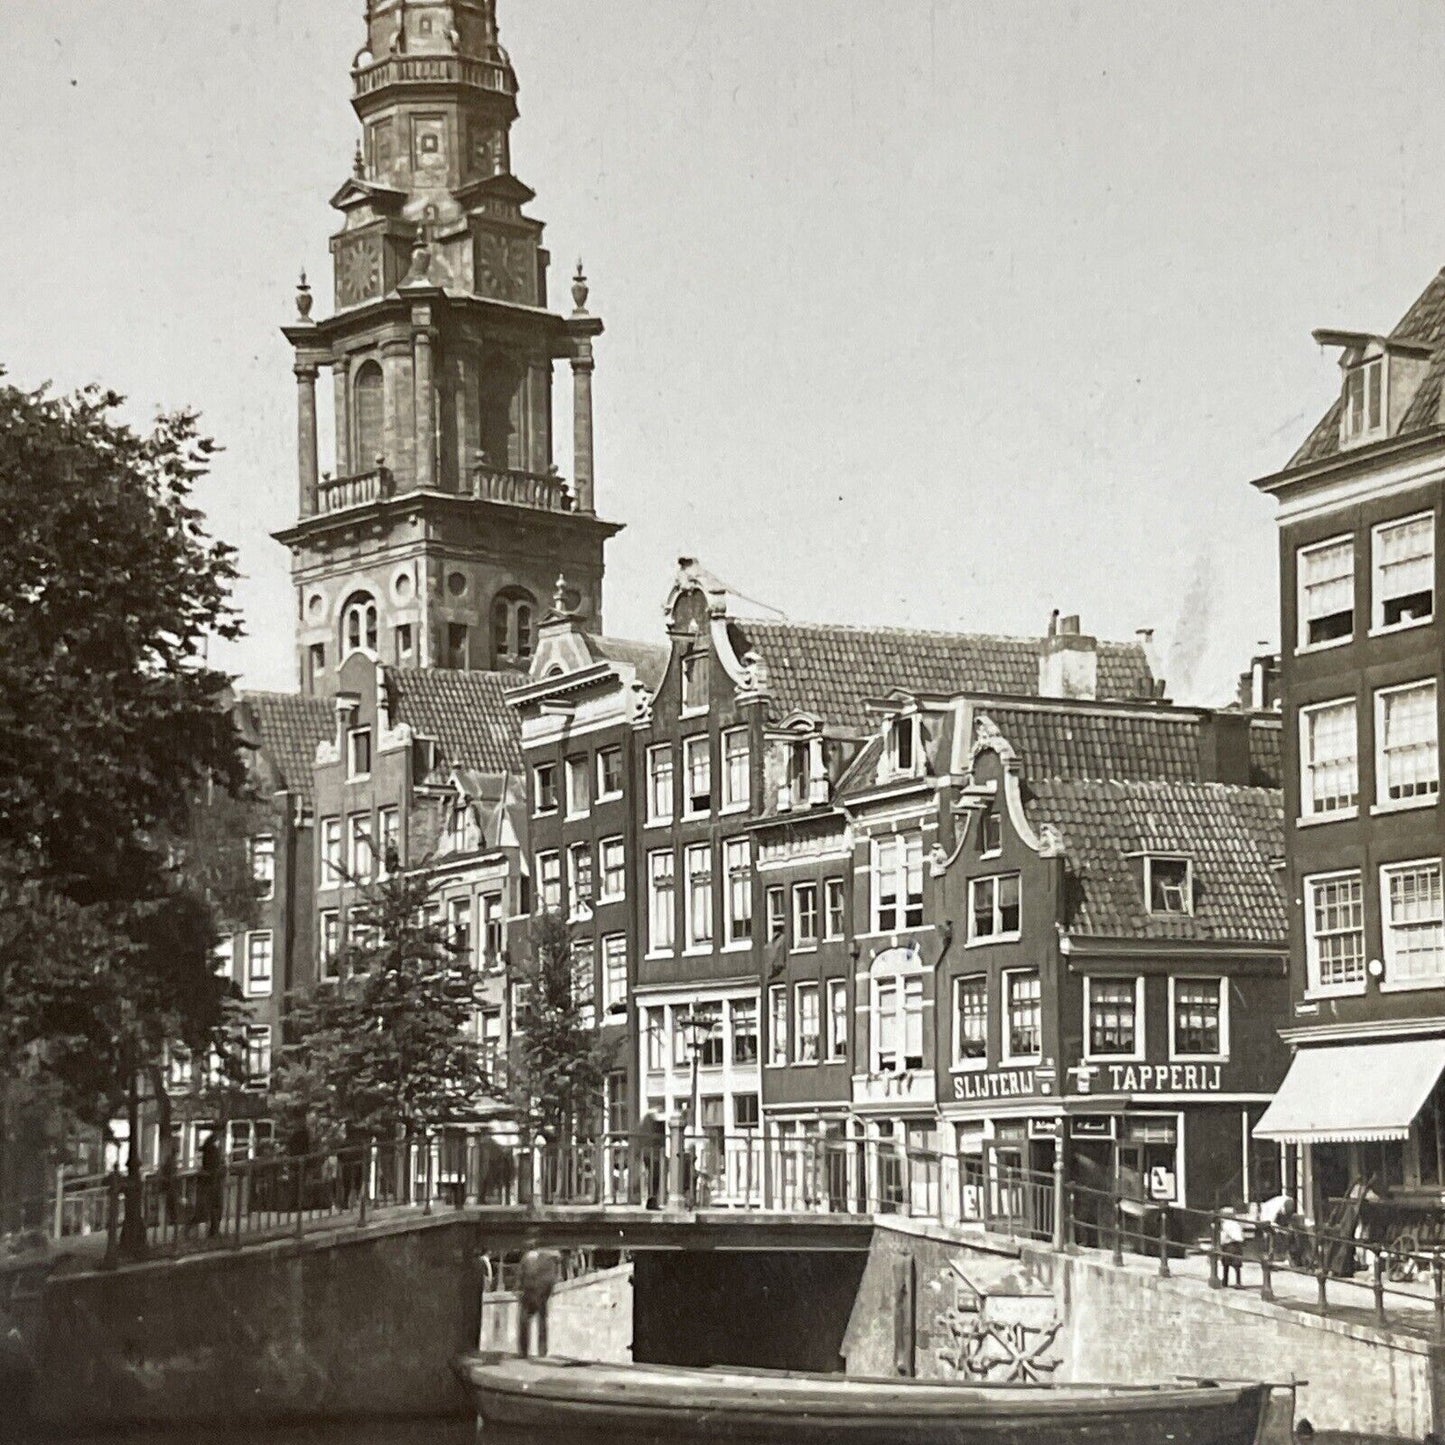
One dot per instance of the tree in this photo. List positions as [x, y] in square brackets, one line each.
[391, 1048]
[560, 1062]
[111, 724]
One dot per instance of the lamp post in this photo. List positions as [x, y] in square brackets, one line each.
[696, 1027]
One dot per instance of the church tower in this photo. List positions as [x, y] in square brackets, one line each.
[441, 537]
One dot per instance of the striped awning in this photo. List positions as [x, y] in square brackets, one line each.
[1338, 1093]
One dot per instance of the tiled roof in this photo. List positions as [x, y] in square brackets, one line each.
[829, 670]
[465, 712]
[648, 659]
[288, 727]
[1423, 322]
[1230, 835]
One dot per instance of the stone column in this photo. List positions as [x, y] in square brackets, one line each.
[306, 463]
[341, 379]
[582, 464]
[426, 406]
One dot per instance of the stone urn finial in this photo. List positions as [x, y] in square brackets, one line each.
[358, 163]
[559, 594]
[580, 290]
[304, 299]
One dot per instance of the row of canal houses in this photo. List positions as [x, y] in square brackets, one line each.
[970, 894]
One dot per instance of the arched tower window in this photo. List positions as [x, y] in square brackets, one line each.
[358, 624]
[514, 631]
[367, 393]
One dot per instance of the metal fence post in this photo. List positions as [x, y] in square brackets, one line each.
[1118, 1231]
[1163, 1244]
[1377, 1284]
[1214, 1243]
[1266, 1264]
[1322, 1269]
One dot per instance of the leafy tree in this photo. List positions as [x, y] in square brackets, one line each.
[560, 1062]
[391, 1048]
[111, 724]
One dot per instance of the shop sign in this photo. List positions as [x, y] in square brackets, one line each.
[1166, 1078]
[1161, 1183]
[1015, 1084]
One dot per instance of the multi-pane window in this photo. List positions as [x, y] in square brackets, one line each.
[544, 788]
[579, 876]
[329, 946]
[358, 753]
[694, 681]
[1408, 743]
[1326, 592]
[736, 768]
[459, 926]
[697, 775]
[614, 972]
[609, 773]
[659, 784]
[994, 907]
[698, 860]
[491, 1030]
[661, 902]
[1413, 925]
[709, 1040]
[614, 868]
[388, 837]
[743, 1016]
[778, 1024]
[833, 919]
[584, 983]
[777, 900]
[549, 881]
[258, 1056]
[492, 936]
[737, 863]
[258, 963]
[332, 866]
[898, 882]
[805, 915]
[1198, 1019]
[1335, 932]
[898, 1023]
[263, 864]
[970, 1020]
[1405, 571]
[520, 1001]
[837, 1019]
[1113, 1017]
[358, 845]
[807, 1037]
[990, 833]
[1169, 885]
[579, 798]
[1023, 1010]
[1364, 407]
[654, 1030]
[1329, 758]
[746, 1113]
[464, 832]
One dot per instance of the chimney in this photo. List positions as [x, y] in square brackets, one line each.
[1259, 687]
[1145, 638]
[1224, 748]
[1068, 661]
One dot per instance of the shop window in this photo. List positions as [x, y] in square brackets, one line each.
[1326, 592]
[1404, 564]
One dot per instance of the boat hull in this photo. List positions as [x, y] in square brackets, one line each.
[652, 1404]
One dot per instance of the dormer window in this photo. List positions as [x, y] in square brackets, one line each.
[1364, 405]
[903, 745]
[1168, 885]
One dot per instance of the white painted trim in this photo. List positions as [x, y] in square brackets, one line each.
[1224, 1041]
[1141, 1052]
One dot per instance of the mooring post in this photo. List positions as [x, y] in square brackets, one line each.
[1118, 1231]
[1060, 1201]
[1266, 1263]
[1322, 1269]
[675, 1196]
[1214, 1243]
[1163, 1244]
[1377, 1283]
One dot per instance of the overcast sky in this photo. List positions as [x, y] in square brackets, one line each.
[924, 312]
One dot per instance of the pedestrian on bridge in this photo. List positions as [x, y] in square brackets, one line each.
[540, 1270]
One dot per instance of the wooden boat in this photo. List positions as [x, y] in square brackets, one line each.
[572, 1400]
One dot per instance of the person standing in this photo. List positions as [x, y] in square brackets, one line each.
[209, 1204]
[540, 1271]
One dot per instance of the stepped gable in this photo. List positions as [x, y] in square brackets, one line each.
[1423, 322]
[1232, 836]
[465, 712]
[287, 729]
[829, 670]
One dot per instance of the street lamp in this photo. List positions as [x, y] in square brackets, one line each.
[696, 1027]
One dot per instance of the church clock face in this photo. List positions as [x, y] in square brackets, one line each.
[358, 271]
[505, 268]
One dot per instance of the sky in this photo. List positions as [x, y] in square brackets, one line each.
[925, 314]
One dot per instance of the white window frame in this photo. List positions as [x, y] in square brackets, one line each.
[549, 861]
[1303, 617]
[900, 846]
[1140, 1049]
[1187, 896]
[1176, 1054]
[265, 985]
[747, 1008]
[805, 942]
[658, 947]
[692, 667]
[807, 989]
[1356, 424]
[258, 1041]
[653, 1030]
[358, 842]
[775, 913]
[490, 913]
[1000, 934]
[580, 902]
[328, 945]
[834, 890]
[541, 809]
[577, 774]
[614, 952]
[777, 1026]
[388, 837]
[460, 924]
[837, 1021]
[1006, 1054]
[333, 856]
[737, 855]
[902, 730]
[1377, 566]
[661, 753]
[733, 800]
[604, 793]
[1392, 982]
[604, 893]
[263, 849]
[696, 941]
[1307, 715]
[1383, 802]
[902, 981]
[693, 748]
[1315, 986]
[960, 1064]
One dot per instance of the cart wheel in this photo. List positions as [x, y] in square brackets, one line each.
[1403, 1247]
